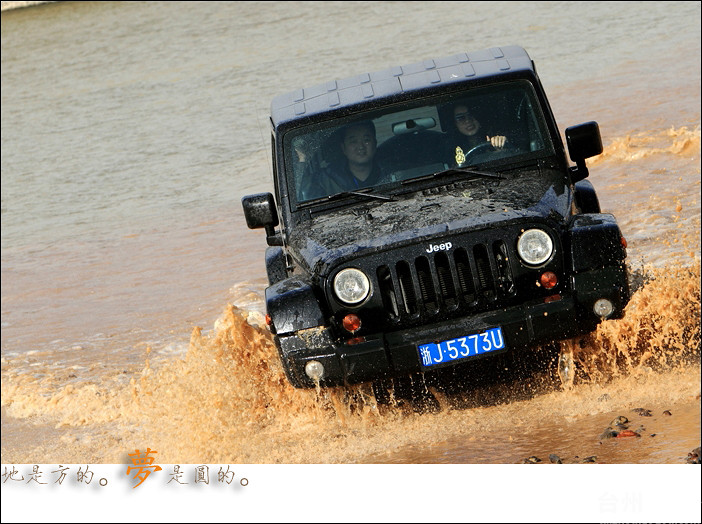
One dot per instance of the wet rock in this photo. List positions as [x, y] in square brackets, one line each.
[643, 412]
[615, 427]
[555, 459]
[532, 460]
[608, 433]
[590, 459]
[694, 456]
[620, 421]
[627, 433]
[667, 413]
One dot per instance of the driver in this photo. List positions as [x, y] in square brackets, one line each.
[470, 132]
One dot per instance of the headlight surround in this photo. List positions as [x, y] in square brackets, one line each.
[535, 247]
[351, 286]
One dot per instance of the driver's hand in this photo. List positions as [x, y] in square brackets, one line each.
[498, 142]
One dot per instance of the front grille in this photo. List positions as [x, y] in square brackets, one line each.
[474, 278]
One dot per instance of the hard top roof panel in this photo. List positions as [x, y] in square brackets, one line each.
[432, 73]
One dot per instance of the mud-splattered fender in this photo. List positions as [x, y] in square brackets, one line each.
[586, 197]
[595, 242]
[275, 264]
[292, 305]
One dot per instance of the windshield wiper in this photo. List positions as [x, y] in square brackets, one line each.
[344, 194]
[454, 171]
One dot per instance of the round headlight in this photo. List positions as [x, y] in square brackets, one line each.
[351, 286]
[535, 247]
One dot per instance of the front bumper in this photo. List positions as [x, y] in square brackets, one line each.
[393, 353]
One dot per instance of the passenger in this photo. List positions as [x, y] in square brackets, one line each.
[470, 132]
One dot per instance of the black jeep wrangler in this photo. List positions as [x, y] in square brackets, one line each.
[428, 216]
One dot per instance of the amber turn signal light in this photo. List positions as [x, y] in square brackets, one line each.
[351, 323]
[548, 280]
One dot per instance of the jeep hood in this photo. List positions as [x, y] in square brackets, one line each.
[330, 237]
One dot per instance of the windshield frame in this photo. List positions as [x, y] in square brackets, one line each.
[519, 88]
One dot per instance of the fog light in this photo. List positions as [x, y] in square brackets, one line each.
[548, 280]
[603, 308]
[314, 370]
[351, 323]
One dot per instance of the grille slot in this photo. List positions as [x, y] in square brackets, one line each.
[469, 279]
[408, 297]
[505, 281]
[447, 289]
[482, 263]
[426, 284]
[465, 279]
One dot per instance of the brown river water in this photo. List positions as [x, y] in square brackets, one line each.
[132, 291]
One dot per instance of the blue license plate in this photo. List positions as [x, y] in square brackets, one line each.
[460, 348]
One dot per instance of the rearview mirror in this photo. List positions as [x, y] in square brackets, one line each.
[412, 125]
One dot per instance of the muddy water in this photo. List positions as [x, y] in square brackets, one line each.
[132, 291]
[227, 401]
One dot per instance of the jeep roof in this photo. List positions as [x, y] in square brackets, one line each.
[367, 88]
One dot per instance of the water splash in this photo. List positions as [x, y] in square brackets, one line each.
[227, 399]
[661, 329]
[634, 147]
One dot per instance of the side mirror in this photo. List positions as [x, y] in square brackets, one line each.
[584, 141]
[260, 212]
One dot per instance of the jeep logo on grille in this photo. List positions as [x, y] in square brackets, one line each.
[439, 247]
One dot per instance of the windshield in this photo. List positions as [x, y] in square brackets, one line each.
[412, 140]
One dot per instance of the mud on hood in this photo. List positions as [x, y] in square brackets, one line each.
[372, 225]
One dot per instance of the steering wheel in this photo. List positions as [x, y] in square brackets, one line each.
[477, 149]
